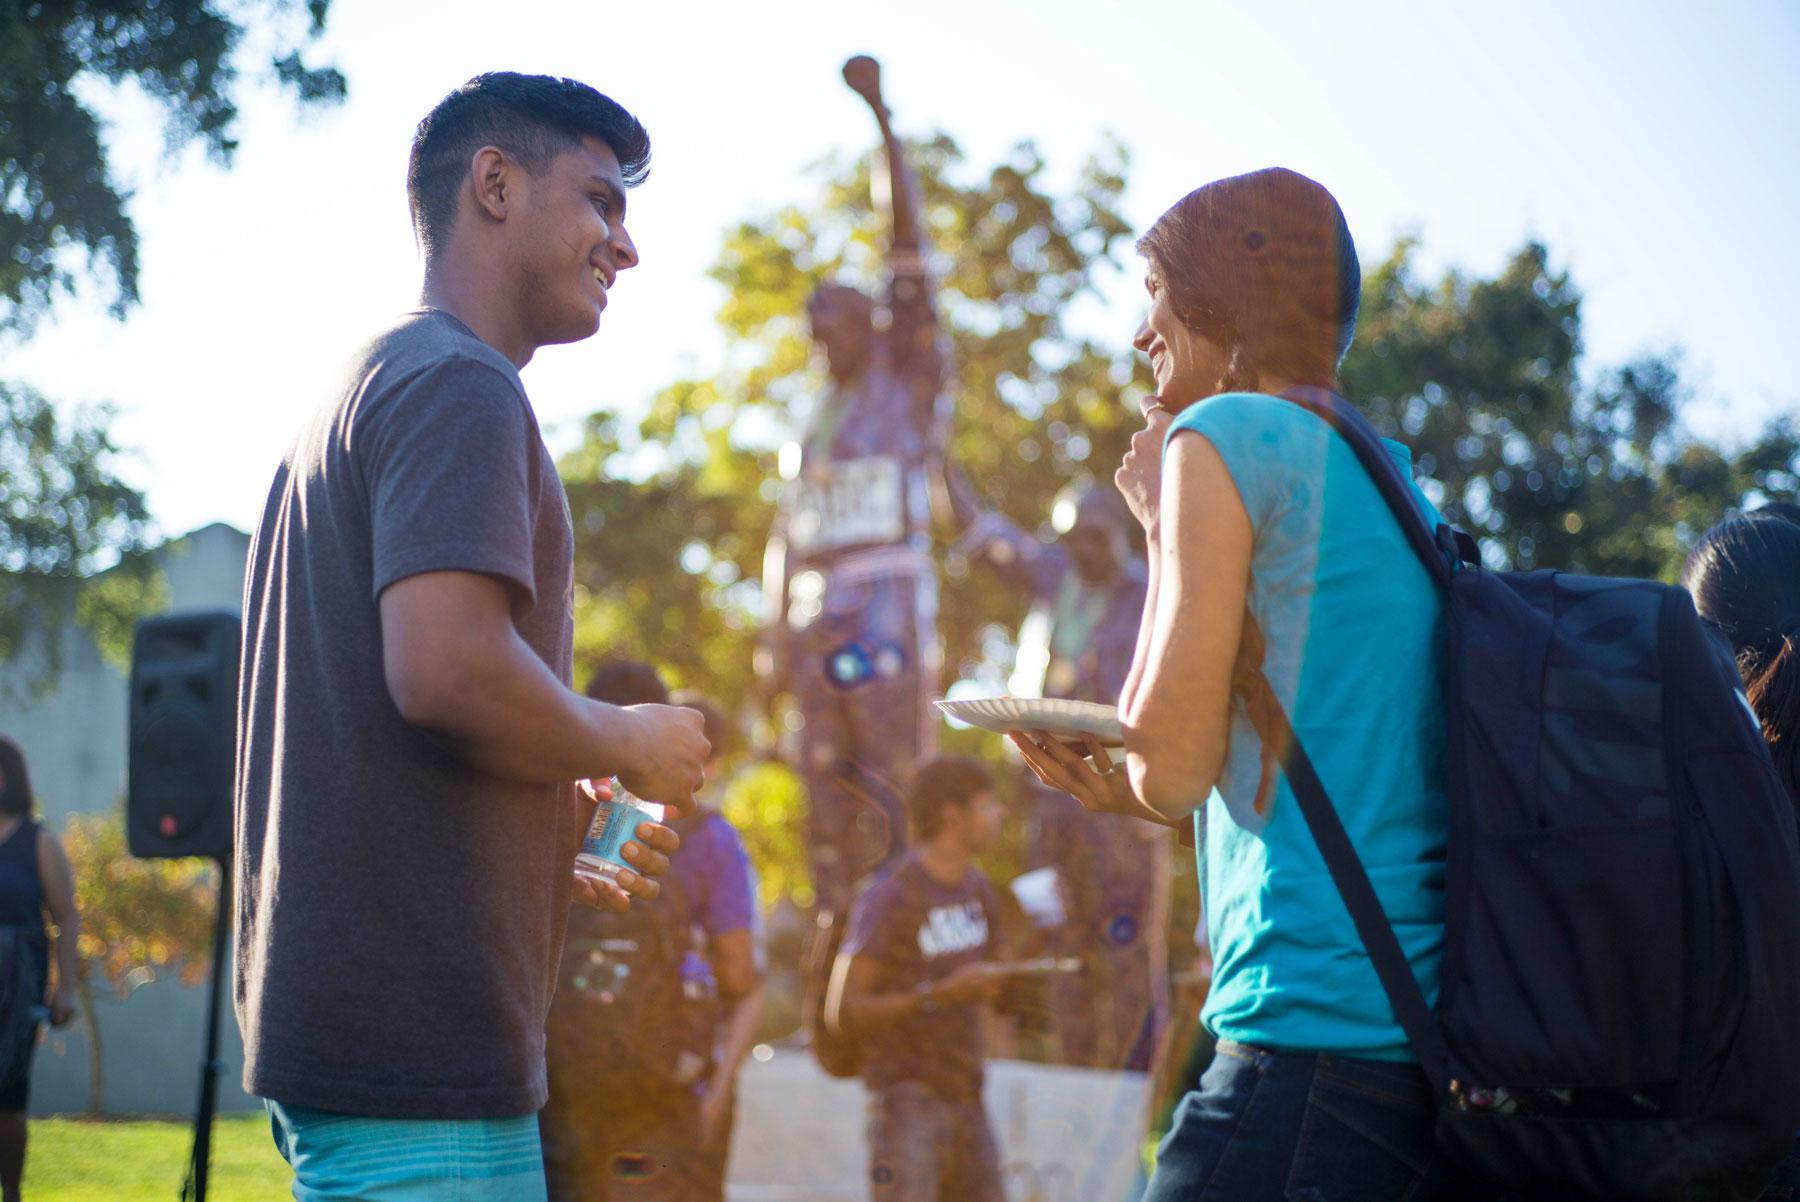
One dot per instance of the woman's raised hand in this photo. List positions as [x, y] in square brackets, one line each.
[1139, 477]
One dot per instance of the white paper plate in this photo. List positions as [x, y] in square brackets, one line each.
[1001, 714]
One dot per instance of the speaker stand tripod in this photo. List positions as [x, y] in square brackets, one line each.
[210, 1066]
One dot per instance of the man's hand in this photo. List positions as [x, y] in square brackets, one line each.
[669, 755]
[61, 1002]
[649, 853]
[970, 983]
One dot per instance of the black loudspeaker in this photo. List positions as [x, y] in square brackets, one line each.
[183, 740]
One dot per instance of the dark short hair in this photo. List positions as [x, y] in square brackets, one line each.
[622, 681]
[1787, 511]
[1744, 575]
[941, 782]
[1264, 265]
[533, 118]
[15, 790]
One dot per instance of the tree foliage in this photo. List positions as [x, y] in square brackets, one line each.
[1482, 379]
[59, 201]
[64, 218]
[138, 918]
[64, 516]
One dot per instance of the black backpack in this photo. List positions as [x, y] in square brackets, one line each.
[634, 1002]
[1619, 1007]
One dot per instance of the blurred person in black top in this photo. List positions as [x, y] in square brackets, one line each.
[34, 877]
[910, 981]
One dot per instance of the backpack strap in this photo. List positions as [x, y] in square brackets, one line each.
[1438, 549]
[1353, 885]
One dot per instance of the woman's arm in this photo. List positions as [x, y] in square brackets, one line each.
[1177, 725]
[1177, 718]
[59, 899]
[1139, 480]
[1140, 656]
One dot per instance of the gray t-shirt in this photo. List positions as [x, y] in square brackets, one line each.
[399, 912]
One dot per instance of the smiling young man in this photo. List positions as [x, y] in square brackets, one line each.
[407, 820]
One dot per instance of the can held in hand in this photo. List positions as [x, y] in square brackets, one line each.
[615, 823]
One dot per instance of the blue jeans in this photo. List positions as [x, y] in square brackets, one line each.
[350, 1158]
[1298, 1127]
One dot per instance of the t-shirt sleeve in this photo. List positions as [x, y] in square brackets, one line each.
[871, 929]
[996, 948]
[1261, 439]
[730, 903]
[448, 465]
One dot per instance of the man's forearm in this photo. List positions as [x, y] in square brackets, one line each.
[743, 1017]
[872, 1012]
[505, 712]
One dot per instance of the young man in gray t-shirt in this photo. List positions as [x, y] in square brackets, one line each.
[407, 818]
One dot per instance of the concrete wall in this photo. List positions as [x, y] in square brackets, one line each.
[74, 740]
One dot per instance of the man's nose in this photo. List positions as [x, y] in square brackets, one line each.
[625, 251]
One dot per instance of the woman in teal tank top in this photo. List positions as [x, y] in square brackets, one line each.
[1270, 546]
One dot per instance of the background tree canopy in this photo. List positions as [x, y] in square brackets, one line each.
[1481, 379]
[63, 219]
[59, 201]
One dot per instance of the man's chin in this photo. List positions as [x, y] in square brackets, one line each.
[577, 327]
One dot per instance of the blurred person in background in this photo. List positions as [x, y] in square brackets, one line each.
[716, 884]
[1744, 575]
[655, 1009]
[34, 879]
[910, 983]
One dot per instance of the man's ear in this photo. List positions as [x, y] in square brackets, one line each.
[492, 177]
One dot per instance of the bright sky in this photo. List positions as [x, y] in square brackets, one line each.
[1654, 145]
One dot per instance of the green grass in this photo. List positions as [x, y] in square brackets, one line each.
[73, 1160]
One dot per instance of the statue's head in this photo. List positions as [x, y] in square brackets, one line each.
[843, 325]
[1095, 526]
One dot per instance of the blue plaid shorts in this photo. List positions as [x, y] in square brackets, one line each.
[350, 1158]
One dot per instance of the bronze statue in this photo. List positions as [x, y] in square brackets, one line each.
[851, 624]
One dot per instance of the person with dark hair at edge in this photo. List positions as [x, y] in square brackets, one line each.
[408, 813]
[1744, 575]
[34, 878]
[655, 1010]
[1269, 545]
[850, 626]
[909, 983]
